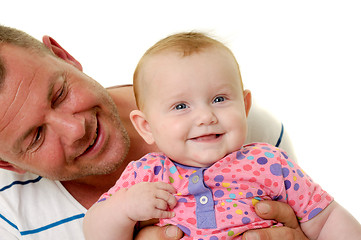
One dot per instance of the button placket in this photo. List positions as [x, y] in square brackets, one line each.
[205, 212]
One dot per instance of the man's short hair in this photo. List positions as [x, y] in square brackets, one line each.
[18, 38]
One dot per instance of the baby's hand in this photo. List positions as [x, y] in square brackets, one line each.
[147, 200]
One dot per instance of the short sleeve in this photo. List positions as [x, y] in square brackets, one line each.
[147, 169]
[306, 197]
[124, 181]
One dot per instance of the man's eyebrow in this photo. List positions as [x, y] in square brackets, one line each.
[2, 74]
[51, 84]
[52, 81]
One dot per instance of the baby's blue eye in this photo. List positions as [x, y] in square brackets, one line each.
[180, 106]
[218, 99]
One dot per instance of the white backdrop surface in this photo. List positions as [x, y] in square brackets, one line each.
[300, 59]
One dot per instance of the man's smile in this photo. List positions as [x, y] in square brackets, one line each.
[95, 142]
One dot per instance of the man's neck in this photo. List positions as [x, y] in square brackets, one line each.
[88, 190]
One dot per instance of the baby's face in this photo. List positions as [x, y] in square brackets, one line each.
[195, 105]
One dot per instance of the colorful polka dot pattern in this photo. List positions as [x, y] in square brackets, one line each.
[238, 181]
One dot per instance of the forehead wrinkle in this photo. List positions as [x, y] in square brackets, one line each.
[17, 146]
[12, 103]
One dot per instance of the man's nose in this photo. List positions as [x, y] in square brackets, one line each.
[70, 127]
[206, 116]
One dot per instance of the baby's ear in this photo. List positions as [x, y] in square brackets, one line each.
[141, 124]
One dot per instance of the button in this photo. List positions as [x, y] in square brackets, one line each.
[203, 200]
[195, 179]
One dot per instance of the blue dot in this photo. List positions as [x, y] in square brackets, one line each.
[276, 169]
[246, 220]
[138, 164]
[262, 160]
[182, 200]
[219, 193]
[157, 169]
[296, 187]
[300, 173]
[229, 216]
[173, 169]
[285, 172]
[259, 192]
[284, 155]
[269, 155]
[219, 178]
[287, 184]
[240, 155]
[249, 195]
[314, 212]
[290, 164]
[213, 238]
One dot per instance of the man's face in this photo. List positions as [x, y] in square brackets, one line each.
[54, 120]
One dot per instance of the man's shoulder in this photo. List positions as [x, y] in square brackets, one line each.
[9, 179]
[35, 206]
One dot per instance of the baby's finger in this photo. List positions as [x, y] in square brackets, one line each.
[167, 197]
[160, 204]
[165, 186]
[163, 214]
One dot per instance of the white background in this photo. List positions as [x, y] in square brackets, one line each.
[301, 59]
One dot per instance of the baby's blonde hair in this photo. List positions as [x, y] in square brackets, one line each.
[185, 43]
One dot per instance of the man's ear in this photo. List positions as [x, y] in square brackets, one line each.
[247, 98]
[55, 47]
[11, 167]
[141, 124]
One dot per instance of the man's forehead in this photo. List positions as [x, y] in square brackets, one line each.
[27, 84]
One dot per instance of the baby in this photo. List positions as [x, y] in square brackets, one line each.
[192, 105]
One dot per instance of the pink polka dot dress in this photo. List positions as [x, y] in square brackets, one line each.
[217, 202]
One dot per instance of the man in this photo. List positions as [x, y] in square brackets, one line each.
[58, 123]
